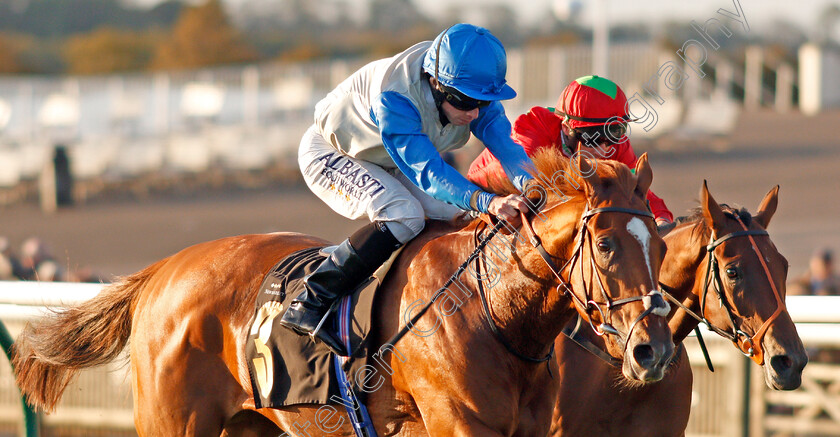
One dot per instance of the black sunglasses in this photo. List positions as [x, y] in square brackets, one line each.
[460, 101]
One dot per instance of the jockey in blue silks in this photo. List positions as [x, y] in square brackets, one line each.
[376, 146]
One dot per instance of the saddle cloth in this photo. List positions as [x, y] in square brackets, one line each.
[288, 369]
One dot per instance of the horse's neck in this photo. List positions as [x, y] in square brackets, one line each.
[526, 305]
[524, 302]
[682, 275]
[521, 290]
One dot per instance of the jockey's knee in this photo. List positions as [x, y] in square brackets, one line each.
[405, 229]
[402, 214]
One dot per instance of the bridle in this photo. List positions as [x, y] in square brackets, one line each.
[653, 301]
[749, 345]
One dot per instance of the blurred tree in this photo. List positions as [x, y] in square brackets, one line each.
[563, 36]
[275, 27]
[394, 15]
[502, 21]
[10, 52]
[164, 14]
[202, 37]
[56, 19]
[109, 50]
[305, 51]
[452, 14]
[41, 26]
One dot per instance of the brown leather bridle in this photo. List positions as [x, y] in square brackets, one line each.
[652, 300]
[749, 345]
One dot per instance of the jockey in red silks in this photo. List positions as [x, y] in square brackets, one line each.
[375, 150]
[590, 116]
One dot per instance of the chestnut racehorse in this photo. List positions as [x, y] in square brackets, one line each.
[186, 318]
[742, 301]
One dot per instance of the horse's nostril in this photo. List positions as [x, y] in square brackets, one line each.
[781, 363]
[643, 354]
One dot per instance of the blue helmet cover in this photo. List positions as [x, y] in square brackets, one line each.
[472, 61]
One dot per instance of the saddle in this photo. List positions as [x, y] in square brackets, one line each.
[287, 369]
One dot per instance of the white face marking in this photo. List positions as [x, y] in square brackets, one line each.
[640, 232]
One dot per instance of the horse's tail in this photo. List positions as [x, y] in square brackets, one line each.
[49, 352]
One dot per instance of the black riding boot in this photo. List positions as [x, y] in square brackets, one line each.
[353, 261]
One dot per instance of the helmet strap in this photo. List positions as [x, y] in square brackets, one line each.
[439, 96]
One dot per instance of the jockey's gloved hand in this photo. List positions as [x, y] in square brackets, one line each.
[508, 207]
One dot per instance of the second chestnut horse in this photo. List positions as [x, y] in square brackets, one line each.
[722, 266]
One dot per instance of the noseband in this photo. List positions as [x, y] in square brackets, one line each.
[749, 345]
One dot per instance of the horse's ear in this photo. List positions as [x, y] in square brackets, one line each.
[767, 207]
[587, 172]
[644, 174]
[712, 212]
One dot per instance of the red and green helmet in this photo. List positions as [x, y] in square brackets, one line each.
[591, 101]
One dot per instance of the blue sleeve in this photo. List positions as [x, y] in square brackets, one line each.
[493, 128]
[402, 134]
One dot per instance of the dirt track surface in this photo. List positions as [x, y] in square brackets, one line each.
[798, 153]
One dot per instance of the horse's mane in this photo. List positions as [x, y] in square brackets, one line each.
[695, 217]
[555, 173]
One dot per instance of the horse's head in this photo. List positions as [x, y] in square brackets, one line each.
[741, 288]
[613, 265]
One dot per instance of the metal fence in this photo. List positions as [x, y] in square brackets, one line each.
[735, 401]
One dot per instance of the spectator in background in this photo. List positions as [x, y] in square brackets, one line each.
[7, 272]
[10, 267]
[6, 269]
[820, 279]
[32, 252]
[37, 262]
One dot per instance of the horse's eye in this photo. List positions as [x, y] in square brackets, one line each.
[732, 273]
[603, 246]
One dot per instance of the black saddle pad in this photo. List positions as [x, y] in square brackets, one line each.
[288, 369]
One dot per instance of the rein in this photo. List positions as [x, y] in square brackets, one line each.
[749, 346]
[572, 332]
[653, 300]
[604, 328]
[485, 306]
[463, 267]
